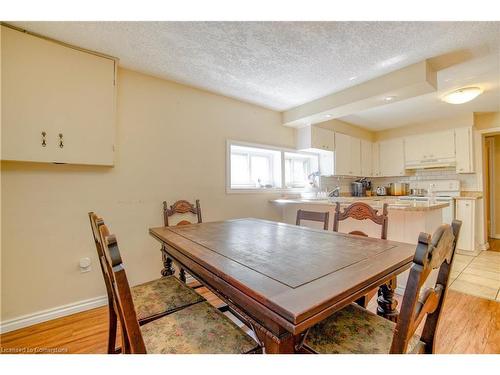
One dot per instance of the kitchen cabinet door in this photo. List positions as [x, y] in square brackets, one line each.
[464, 150]
[322, 138]
[342, 155]
[440, 145]
[376, 160]
[392, 158]
[465, 212]
[355, 169]
[63, 92]
[315, 138]
[366, 158]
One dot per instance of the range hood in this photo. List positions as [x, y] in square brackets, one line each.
[431, 163]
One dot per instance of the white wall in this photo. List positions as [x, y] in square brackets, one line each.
[171, 144]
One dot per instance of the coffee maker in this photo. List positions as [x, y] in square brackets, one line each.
[359, 187]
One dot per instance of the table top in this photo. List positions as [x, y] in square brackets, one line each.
[296, 272]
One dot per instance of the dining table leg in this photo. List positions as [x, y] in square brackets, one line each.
[387, 304]
[284, 345]
[168, 268]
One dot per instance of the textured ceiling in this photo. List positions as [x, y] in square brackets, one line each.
[277, 65]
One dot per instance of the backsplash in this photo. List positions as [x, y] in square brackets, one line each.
[468, 182]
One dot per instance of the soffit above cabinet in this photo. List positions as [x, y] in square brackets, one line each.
[411, 81]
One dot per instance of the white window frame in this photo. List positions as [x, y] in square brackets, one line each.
[257, 190]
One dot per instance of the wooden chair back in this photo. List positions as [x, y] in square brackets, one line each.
[431, 253]
[361, 211]
[322, 217]
[181, 207]
[95, 222]
[131, 332]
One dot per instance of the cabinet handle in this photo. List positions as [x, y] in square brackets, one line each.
[61, 141]
[44, 139]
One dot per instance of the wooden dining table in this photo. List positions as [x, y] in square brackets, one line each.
[281, 279]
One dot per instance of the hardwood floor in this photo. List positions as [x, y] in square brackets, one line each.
[469, 325]
[494, 244]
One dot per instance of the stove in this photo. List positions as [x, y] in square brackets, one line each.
[445, 191]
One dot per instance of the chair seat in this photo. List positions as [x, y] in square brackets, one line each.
[161, 296]
[197, 329]
[355, 330]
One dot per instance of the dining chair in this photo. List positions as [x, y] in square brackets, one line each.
[180, 207]
[199, 328]
[362, 211]
[357, 330]
[322, 217]
[152, 299]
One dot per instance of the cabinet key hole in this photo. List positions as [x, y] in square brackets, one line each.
[61, 141]
[44, 139]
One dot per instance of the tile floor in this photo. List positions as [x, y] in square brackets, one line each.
[478, 276]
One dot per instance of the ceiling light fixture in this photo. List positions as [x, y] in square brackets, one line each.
[390, 98]
[328, 116]
[463, 95]
[353, 78]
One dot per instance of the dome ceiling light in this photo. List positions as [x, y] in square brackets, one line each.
[463, 95]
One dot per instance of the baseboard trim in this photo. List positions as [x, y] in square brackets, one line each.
[496, 236]
[54, 313]
[400, 290]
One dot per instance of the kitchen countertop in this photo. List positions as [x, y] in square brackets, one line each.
[470, 195]
[376, 202]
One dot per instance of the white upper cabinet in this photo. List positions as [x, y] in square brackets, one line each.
[464, 148]
[376, 160]
[58, 103]
[347, 155]
[366, 158]
[313, 137]
[430, 150]
[392, 157]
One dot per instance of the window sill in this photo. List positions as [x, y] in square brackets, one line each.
[263, 191]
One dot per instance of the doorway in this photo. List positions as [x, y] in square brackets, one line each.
[492, 189]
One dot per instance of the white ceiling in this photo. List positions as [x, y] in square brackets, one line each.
[280, 65]
[480, 71]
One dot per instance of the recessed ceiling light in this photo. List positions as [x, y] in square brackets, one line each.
[390, 98]
[353, 78]
[328, 116]
[463, 95]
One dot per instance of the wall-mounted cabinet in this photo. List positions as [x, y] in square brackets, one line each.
[315, 138]
[347, 155]
[366, 158]
[430, 150]
[376, 172]
[464, 148]
[392, 157]
[58, 102]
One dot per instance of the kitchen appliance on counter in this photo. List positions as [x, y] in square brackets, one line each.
[399, 188]
[381, 190]
[360, 187]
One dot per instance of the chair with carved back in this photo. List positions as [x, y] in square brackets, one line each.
[199, 328]
[357, 330]
[362, 211]
[152, 299]
[181, 207]
[321, 217]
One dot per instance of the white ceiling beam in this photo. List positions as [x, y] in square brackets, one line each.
[413, 80]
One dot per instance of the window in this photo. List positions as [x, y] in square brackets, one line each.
[298, 167]
[259, 167]
[255, 168]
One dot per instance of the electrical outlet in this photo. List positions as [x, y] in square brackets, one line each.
[85, 264]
